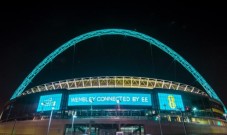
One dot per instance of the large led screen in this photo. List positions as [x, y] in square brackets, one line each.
[49, 102]
[170, 102]
[109, 99]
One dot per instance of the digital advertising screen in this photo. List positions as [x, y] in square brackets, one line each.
[49, 102]
[170, 102]
[109, 99]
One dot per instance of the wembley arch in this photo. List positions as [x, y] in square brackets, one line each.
[124, 32]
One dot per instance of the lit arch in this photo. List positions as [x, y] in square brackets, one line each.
[124, 32]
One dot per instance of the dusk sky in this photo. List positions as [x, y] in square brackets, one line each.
[196, 32]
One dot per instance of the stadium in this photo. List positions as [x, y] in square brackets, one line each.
[109, 105]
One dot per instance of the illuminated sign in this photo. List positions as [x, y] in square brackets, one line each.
[170, 102]
[110, 99]
[49, 102]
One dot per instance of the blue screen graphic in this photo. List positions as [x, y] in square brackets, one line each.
[109, 99]
[49, 102]
[170, 102]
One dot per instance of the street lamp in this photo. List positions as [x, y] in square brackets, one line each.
[194, 110]
[182, 120]
[164, 106]
[73, 117]
[52, 109]
[159, 121]
[15, 120]
[225, 115]
[91, 101]
[11, 106]
[118, 106]
[41, 114]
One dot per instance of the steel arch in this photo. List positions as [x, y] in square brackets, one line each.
[114, 82]
[124, 32]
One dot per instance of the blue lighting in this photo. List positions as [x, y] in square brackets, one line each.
[109, 99]
[97, 33]
[49, 102]
[218, 123]
[170, 102]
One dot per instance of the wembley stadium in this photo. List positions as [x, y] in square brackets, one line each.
[114, 105]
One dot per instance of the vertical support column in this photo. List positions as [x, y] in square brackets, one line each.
[89, 132]
[140, 129]
[119, 126]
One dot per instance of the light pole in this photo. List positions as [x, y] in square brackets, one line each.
[10, 107]
[164, 106]
[73, 117]
[194, 110]
[52, 109]
[225, 115]
[42, 104]
[183, 121]
[15, 120]
[159, 121]
[118, 106]
[91, 101]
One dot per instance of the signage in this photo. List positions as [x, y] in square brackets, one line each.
[109, 99]
[170, 102]
[49, 102]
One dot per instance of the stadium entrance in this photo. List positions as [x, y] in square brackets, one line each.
[104, 129]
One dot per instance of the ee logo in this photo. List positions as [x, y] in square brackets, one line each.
[172, 103]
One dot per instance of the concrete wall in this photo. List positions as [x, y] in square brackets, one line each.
[172, 128]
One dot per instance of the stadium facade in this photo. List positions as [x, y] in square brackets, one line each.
[109, 105]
